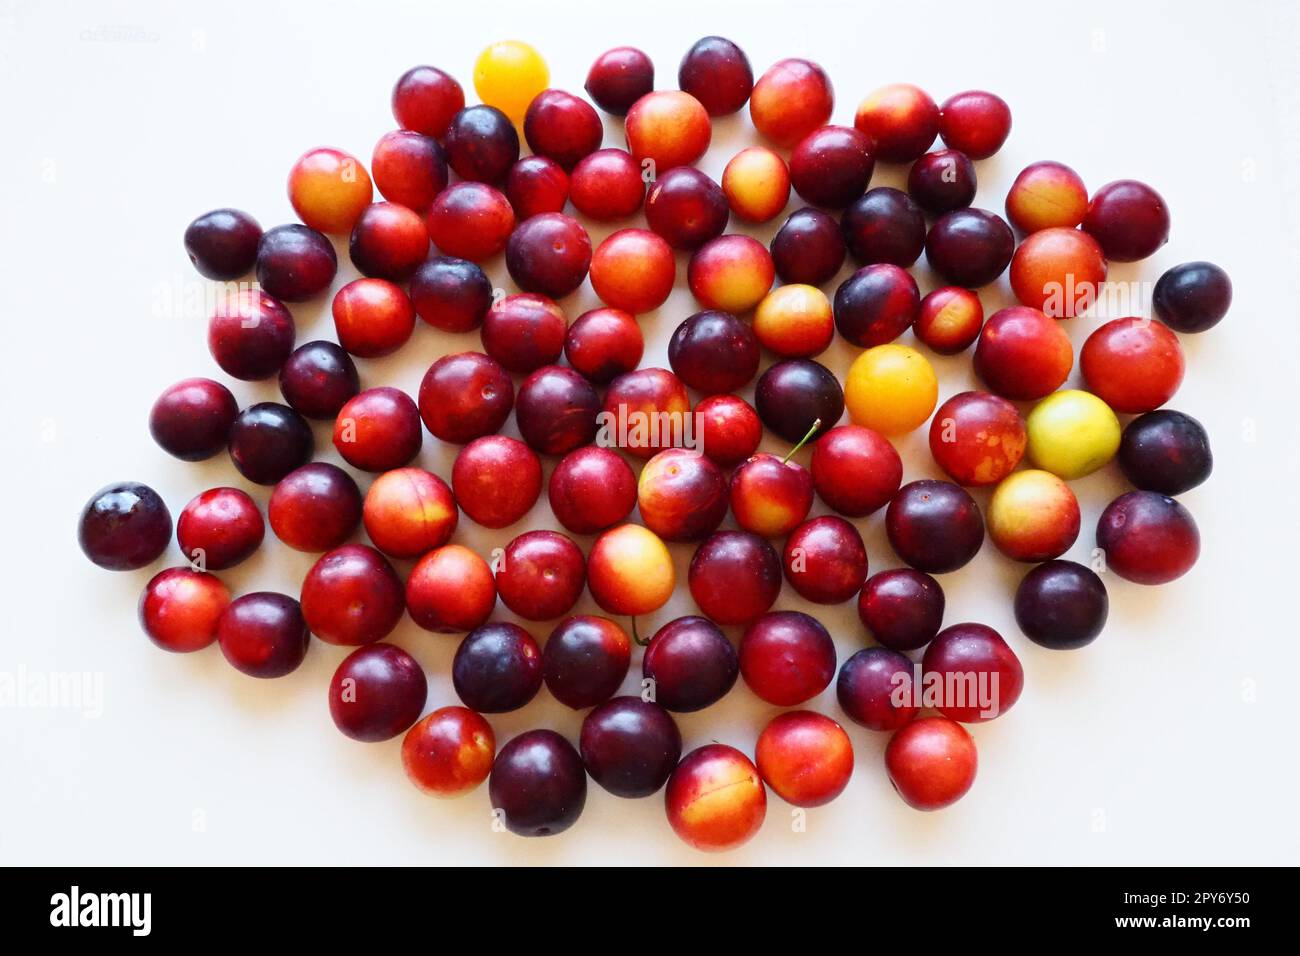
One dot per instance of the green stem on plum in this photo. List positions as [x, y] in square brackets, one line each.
[637, 637]
[802, 441]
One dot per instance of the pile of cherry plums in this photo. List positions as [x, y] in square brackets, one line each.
[453, 176]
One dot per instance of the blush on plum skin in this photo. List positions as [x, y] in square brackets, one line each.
[934, 526]
[1033, 516]
[219, 528]
[328, 188]
[295, 262]
[1061, 605]
[541, 575]
[372, 317]
[497, 480]
[536, 185]
[619, 78]
[756, 183]
[902, 608]
[805, 757]
[388, 241]
[603, 344]
[867, 684]
[630, 746]
[808, 248]
[787, 657]
[1132, 364]
[538, 784]
[1165, 451]
[715, 799]
[1148, 538]
[931, 762]
[481, 144]
[949, 320]
[1192, 297]
[825, 560]
[269, 440]
[974, 650]
[497, 668]
[451, 294]
[450, 589]
[585, 660]
[378, 430]
[524, 332]
[377, 692]
[790, 100]
[976, 122]
[562, 127]
[969, 247]
[630, 571]
[855, 470]
[591, 489]
[1129, 219]
[633, 270]
[885, 225]
[409, 168]
[734, 576]
[318, 379]
[425, 99]
[770, 496]
[222, 243]
[449, 752]
[1045, 195]
[691, 663]
[682, 495]
[352, 596]
[1022, 354]
[901, 119]
[876, 305]
[549, 254]
[250, 335]
[465, 396]
[607, 185]
[660, 397]
[180, 607]
[470, 220]
[714, 352]
[409, 511]
[263, 634]
[669, 128]
[556, 410]
[831, 166]
[315, 508]
[795, 321]
[191, 420]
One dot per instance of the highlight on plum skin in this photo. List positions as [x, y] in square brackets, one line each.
[219, 528]
[607, 185]
[352, 596]
[425, 99]
[372, 318]
[481, 145]
[931, 762]
[409, 168]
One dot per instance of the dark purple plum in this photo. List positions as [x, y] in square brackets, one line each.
[691, 663]
[263, 634]
[793, 394]
[268, 440]
[377, 693]
[585, 660]
[808, 248]
[1165, 451]
[1061, 605]
[619, 78]
[902, 608]
[1192, 297]
[191, 420]
[222, 244]
[942, 181]
[451, 294]
[124, 526]
[538, 784]
[876, 304]
[969, 247]
[867, 686]
[481, 144]
[885, 225]
[295, 262]
[497, 668]
[935, 526]
[717, 73]
[549, 254]
[556, 410]
[630, 746]
[714, 352]
[318, 379]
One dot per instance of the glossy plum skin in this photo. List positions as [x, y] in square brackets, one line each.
[388, 242]
[630, 571]
[884, 225]
[481, 144]
[902, 608]
[222, 243]
[901, 119]
[556, 410]
[377, 692]
[541, 575]
[425, 99]
[315, 508]
[295, 263]
[1148, 538]
[866, 686]
[585, 660]
[855, 470]
[191, 420]
[219, 528]
[1046, 195]
[756, 183]
[808, 248]
[549, 253]
[464, 396]
[607, 185]
[1061, 605]
[591, 489]
[790, 100]
[536, 185]
[732, 273]
[409, 511]
[976, 122]
[449, 752]
[180, 607]
[451, 294]
[619, 78]
[328, 188]
[970, 650]
[1129, 219]
[715, 799]
[250, 335]
[538, 785]
[806, 758]
[263, 634]
[825, 560]
[717, 73]
[714, 352]
[470, 220]
[669, 128]
[352, 596]
[269, 440]
[409, 168]
[653, 393]
[686, 208]
[931, 762]
[787, 657]
[318, 379]
[691, 663]
[969, 247]
[876, 304]
[949, 320]
[1165, 451]
[497, 668]
[1022, 354]
[633, 270]
[450, 589]
[831, 166]
[977, 438]
[524, 332]
[934, 526]
[1033, 516]
[792, 394]
[942, 181]
[795, 321]
[682, 495]
[769, 496]
[1058, 270]
[728, 428]
[603, 344]
[378, 430]
[734, 577]
[372, 317]
[1133, 365]
[497, 480]
[562, 127]
[630, 746]
[1192, 297]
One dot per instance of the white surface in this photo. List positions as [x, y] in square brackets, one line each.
[1170, 740]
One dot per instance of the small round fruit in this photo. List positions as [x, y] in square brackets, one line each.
[875, 688]
[538, 785]
[1129, 219]
[931, 762]
[549, 254]
[902, 120]
[263, 634]
[222, 243]
[585, 660]
[562, 127]
[715, 798]
[934, 526]
[465, 396]
[690, 664]
[902, 608]
[1165, 451]
[1192, 297]
[794, 394]
[1132, 364]
[372, 317]
[831, 166]
[607, 185]
[1046, 195]
[884, 225]
[1022, 354]
[318, 379]
[524, 332]
[409, 511]
[295, 263]
[219, 528]
[425, 99]
[1033, 516]
[770, 496]
[731, 273]
[451, 294]
[449, 752]
[756, 183]
[269, 440]
[497, 480]
[977, 438]
[787, 657]
[795, 321]
[682, 495]
[536, 185]
[250, 335]
[352, 596]
[180, 608]
[1058, 270]
[619, 78]
[728, 429]
[714, 352]
[328, 189]
[980, 675]
[976, 122]
[450, 589]
[481, 144]
[717, 73]
[808, 248]
[855, 470]
[969, 247]
[591, 489]
[876, 305]
[630, 571]
[389, 242]
[630, 746]
[806, 758]
[557, 410]
[603, 344]
[541, 575]
[652, 407]
[378, 430]
[508, 74]
[409, 168]
[735, 576]
[497, 668]
[315, 507]
[191, 420]
[633, 270]
[789, 101]
[1148, 538]
[949, 320]
[942, 181]
[1061, 605]
[1072, 433]
[825, 560]
[377, 693]
[470, 221]
[686, 208]
[890, 388]
[670, 128]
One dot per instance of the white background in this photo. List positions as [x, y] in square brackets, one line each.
[1170, 740]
